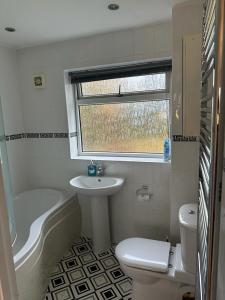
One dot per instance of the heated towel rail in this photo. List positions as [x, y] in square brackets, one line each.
[211, 147]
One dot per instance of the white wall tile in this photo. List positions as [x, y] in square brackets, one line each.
[154, 40]
[13, 117]
[144, 41]
[124, 44]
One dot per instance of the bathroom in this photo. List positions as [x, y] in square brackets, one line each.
[40, 148]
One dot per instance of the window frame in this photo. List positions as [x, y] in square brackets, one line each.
[146, 96]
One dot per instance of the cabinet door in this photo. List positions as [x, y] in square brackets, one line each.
[191, 85]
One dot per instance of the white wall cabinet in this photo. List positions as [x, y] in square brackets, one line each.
[191, 84]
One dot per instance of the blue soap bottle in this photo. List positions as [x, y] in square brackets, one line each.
[92, 169]
[166, 153]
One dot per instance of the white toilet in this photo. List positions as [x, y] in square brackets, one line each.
[160, 271]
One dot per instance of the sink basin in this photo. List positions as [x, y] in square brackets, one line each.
[97, 189]
[97, 186]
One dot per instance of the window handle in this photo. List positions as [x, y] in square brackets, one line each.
[120, 95]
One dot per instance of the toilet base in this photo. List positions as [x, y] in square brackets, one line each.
[150, 285]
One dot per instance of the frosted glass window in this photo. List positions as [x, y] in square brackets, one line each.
[125, 115]
[137, 127]
[144, 83]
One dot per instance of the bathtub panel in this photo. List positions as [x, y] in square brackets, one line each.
[58, 233]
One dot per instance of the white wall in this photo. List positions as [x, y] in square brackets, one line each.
[184, 163]
[13, 117]
[45, 111]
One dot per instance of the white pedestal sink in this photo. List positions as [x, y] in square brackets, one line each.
[98, 189]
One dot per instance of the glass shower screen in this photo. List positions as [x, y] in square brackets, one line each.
[6, 177]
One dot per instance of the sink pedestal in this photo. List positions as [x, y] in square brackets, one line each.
[98, 189]
[100, 223]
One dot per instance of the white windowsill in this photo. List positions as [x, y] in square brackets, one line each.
[123, 159]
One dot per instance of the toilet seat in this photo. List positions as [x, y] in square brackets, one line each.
[144, 254]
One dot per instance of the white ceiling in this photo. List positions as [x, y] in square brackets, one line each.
[44, 21]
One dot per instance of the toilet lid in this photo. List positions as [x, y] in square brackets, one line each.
[144, 254]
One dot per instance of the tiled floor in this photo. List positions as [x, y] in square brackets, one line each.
[83, 275]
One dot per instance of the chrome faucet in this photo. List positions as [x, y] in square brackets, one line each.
[100, 170]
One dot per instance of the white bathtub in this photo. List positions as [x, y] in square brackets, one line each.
[47, 223]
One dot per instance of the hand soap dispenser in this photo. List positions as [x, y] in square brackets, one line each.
[166, 153]
[92, 169]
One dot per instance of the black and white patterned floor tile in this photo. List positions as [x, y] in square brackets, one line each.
[84, 275]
